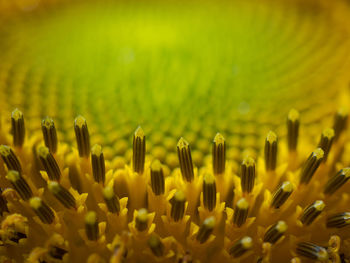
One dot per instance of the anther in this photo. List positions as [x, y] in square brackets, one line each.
[49, 163]
[19, 184]
[185, 159]
[91, 226]
[241, 212]
[156, 245]
[275, 232]
[219, 154]
[10, 159]
[248, 174]
[326, 141]
[339, 124]
[139, 150]
[206, 229]
[293, 129]
[62, 194]
[18, 129]
[49, 133]
[337, 181]
[241, 247]
[111, 199]
[178, 206]
[312, 251]
[157, 178]
[82, 136]
[98, 163]
[282, 194]
[311, 165]
[141, 221]
[338, 220]
[271, 151]
[3, 204]
[209, 192]
[311, 212]
[42, 210]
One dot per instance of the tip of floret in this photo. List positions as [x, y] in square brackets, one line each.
[91, 218]
[35, 203]
[16, 114]
[219, 139]
[156, 165]
[281, 226]
[96, 150]
[319, 205]
[13, 176]
[43, 151]
[182, 143]
[209, 222]
[209, 178]
[293, 115]
[271, 137]
[108, 192]
[247, 242]
[139, 132]
[318, 153]
[242, 204]
[48, 122]
[80, 121]
[5, 150]
[248, 161]
[54, 187]
[180, 196]
[328, 133]
[287, 186]
[142, 215]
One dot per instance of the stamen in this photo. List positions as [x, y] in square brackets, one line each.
[337, 181]
[19, 184]
[248, 174]
[18, 129]
[206, 229]
[338, 220]
[241, 212]
[311, 165]
[157, 178]
[10, 159]
[141, 219]
[209, 192]
[91, 226]
[49, 133]
[311, 212]
[139, 150]
[42, 210]
[185, 159]
[111, 199]
[156, 245]
[62, 194]
[275, 232]
[178, 206]
[326, 141]
[241, 247]
[282, 194]
[312, 251]
[98, 163]
[219, 154]
[3, 204]
[339, 124]
[293, 129]
[82, 136]
[271, 151]
[49, 163]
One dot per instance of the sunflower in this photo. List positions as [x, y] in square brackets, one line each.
[174, 131]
